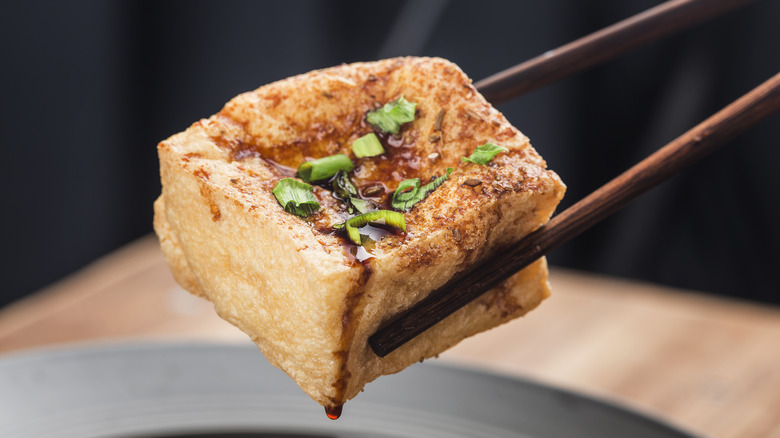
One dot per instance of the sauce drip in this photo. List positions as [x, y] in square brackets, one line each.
[333, 412]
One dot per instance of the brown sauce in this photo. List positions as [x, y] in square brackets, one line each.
[375, 178]
[333, 412]
[399, 162]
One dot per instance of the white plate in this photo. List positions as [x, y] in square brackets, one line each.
[197, 390]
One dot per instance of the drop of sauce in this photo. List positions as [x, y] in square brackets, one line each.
[333, 412]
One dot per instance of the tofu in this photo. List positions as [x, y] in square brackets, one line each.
[301, 291]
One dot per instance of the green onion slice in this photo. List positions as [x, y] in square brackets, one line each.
[324, 168]
[367, 146]
[409, 191]
[483, 154]
[361, 205]
[390, 117]
[387, 217]
[343, 187]
[296, 197]
[344, 190]
[354, 235]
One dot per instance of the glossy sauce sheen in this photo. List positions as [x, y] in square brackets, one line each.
[399, 162]
[375, 178]
[333, 412]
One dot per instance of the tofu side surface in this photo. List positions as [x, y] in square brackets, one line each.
[291, 284]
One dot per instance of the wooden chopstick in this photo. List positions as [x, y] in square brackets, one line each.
[658, 167]
[600, 46]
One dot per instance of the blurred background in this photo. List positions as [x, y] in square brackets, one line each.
[88, 88]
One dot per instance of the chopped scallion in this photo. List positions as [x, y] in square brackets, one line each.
[344, 190]
[361, 205]
[343, 187]
[386, 217]
[367, 146]
[409, 191]
[324, 168]
[354, 235]
[296, 197]
[392, 115]
[483, 154]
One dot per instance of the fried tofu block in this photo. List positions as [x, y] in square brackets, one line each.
[308, 297]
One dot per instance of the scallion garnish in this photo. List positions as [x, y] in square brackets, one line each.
[354, 235]
[386, 217]
[343, 187]
[409, 191]
[344, 190]
[360, 205]
[367, 146]
[296, 197]
[324, 168]
[390, 117]
[483, 154]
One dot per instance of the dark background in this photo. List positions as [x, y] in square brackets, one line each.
[88, 88]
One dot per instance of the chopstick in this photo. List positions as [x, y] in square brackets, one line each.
[658, 167]
[600, 46]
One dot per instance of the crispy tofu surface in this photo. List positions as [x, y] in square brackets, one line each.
[307, 296]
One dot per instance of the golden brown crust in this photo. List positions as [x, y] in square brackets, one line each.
[288, 282]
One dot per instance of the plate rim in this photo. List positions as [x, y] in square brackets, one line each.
[135, 346]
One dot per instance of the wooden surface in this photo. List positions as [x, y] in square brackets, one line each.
[709, 365]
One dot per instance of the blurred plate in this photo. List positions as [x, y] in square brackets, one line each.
[196, 390]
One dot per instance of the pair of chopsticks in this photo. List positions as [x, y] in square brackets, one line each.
[658, 167]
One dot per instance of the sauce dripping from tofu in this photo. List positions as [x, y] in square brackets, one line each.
[333, 412]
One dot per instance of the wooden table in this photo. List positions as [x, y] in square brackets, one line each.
[709, 365]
